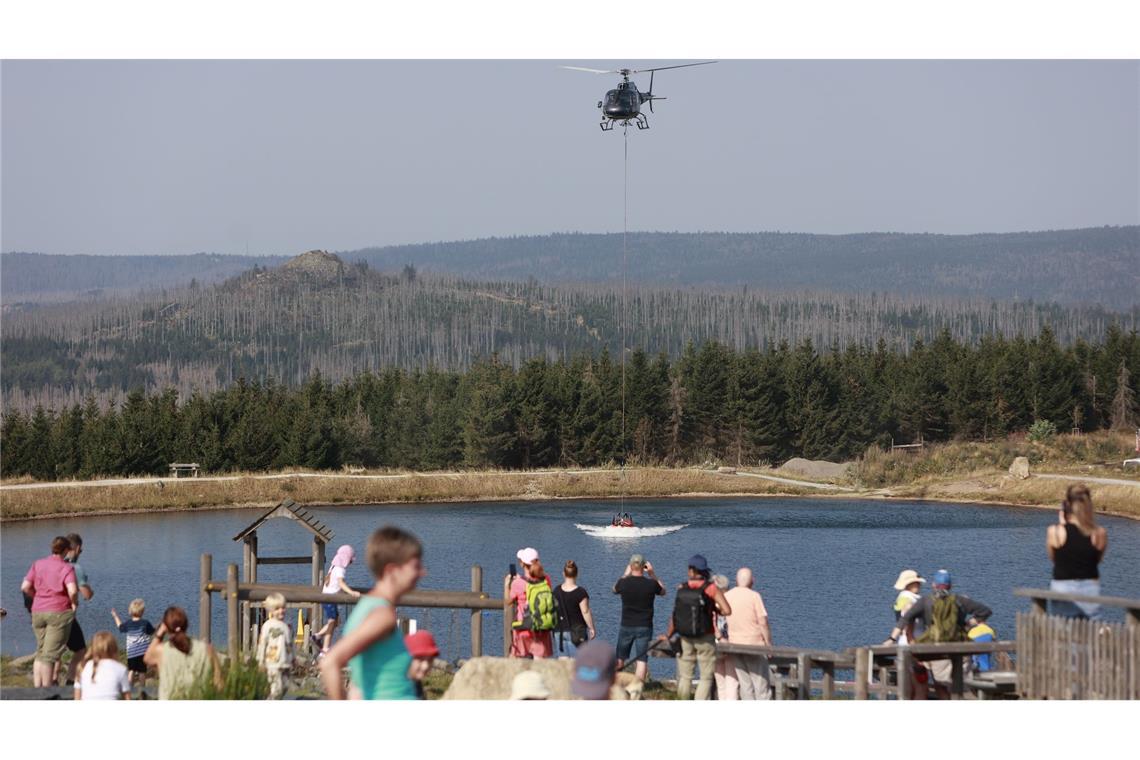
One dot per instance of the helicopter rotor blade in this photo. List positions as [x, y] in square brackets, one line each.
[662, 68]
[592, 71]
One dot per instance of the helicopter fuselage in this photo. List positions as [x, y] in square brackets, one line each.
[622, 103]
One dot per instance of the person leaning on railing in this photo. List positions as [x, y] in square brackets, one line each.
[1076, 545]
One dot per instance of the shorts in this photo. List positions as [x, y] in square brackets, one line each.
[633, 644]
[136, 664]
[332, 612]
[51, 629]
[75, 640]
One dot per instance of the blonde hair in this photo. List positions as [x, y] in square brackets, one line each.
[1081, 513]
[103, 647]
[274, 602]
[136, 608]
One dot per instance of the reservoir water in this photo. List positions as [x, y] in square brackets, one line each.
[824, 567]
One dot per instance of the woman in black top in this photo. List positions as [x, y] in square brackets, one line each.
[576, 621]
[1076, 545]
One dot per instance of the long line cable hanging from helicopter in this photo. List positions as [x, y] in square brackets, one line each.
[624, 248]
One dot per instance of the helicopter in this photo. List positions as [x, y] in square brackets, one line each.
[623, 104]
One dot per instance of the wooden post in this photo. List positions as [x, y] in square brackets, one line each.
[828, 679]
[862, 672]
[253, 557]
[956, 681]
[804, 662]
[247, 577]
[476, 615]
[204, 613]
[317, 575]
[233, 641]
[902, 665]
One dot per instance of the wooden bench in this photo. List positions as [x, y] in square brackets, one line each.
[176, 469]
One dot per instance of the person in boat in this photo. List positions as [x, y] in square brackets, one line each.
[626, 521]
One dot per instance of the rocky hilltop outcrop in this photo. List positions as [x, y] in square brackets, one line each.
[320, 265]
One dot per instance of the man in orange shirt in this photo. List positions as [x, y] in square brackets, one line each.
[748, 624]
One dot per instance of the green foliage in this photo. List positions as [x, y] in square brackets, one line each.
[1042, 430]
[242, 679]
[712, 404]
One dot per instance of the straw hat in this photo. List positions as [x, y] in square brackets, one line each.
[907, 577]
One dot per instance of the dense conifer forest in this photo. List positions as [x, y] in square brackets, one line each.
[318, 314]
[712, 402]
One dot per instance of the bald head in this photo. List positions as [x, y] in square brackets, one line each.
[744, 577]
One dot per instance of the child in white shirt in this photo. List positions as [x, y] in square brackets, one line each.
[275, 646]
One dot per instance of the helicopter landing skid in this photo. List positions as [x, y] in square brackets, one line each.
[641, 121]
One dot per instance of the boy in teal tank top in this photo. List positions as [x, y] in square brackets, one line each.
[372, 647]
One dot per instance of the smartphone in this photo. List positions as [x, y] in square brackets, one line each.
[511, 570]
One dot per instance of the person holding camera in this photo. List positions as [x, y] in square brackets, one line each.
[1076, 545]
[638, 588]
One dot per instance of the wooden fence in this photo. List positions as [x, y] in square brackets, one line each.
[233, 592]
[872, 672]
[1071, 658]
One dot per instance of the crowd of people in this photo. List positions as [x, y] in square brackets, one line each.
[382, 663]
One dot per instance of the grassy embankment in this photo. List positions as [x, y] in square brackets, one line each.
[335, 488]
[966, 471]
[956, 471]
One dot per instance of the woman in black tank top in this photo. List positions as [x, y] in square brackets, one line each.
[1076, 545]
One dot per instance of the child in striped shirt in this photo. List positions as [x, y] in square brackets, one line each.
[139, 633]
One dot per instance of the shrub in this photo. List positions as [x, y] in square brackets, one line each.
[1042, 430]
[242, 679]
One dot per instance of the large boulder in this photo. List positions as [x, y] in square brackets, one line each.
[1020, 468]
[819, 468]
[491, 678]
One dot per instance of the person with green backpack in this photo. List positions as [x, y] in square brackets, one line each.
[947, 617]
[536, 611]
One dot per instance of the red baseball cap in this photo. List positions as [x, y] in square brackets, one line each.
[421, 644]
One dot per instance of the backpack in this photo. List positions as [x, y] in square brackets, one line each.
[541, 608]
[944, 622]
[691, 611]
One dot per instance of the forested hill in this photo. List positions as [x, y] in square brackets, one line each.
[43, 277]
[317, 313]
[1096, 265]
[1084, 266]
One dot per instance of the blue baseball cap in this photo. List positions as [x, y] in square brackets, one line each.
[699, 563]
[594, 667]
[941, 579]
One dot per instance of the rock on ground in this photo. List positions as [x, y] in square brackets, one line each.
[814, 468]
[491, 678]
[1019, 468]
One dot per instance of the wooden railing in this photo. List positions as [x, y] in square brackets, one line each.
[792, 669]
[233, 592]
[1072, 658]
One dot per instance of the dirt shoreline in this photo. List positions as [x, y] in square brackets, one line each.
[148, 496]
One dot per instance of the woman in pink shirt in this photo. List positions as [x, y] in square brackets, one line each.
[50, 583]
[524, 642]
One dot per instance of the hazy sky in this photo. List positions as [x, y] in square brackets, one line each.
[157, 157]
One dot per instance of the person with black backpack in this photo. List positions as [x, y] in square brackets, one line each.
[692, 620]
